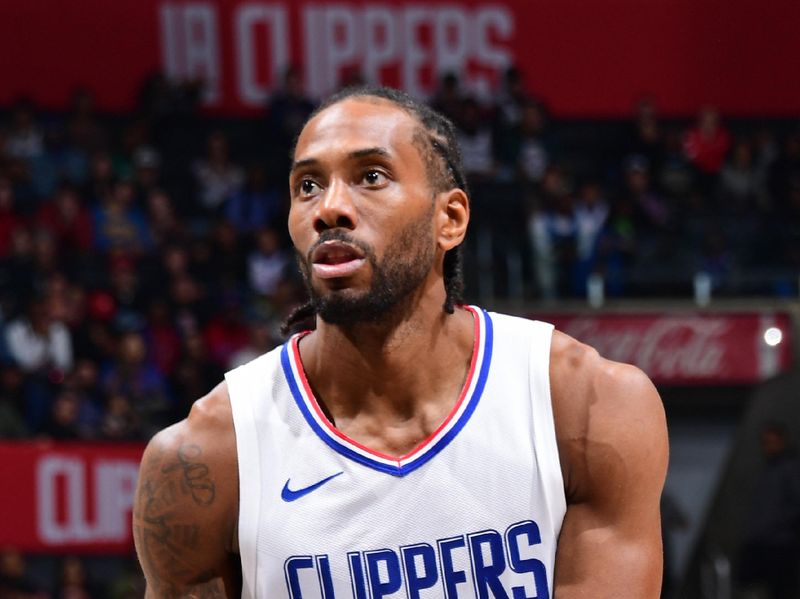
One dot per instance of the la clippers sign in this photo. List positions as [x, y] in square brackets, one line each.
[584, 58]
[68, 497]
[402, 45]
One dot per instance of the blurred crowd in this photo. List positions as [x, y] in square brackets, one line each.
[143, 255]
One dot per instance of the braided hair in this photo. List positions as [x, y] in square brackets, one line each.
[436, 141]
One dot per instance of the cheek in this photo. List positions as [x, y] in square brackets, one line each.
[297, 231]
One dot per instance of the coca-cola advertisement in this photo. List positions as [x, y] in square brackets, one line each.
[693, 348]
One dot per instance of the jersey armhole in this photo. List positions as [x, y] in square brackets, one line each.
[544, 428]
[249, 465]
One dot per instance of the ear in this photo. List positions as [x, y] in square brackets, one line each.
[452, 216]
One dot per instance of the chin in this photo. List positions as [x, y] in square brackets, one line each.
[349, 307]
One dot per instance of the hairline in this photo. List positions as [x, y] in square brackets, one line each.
[422, 139]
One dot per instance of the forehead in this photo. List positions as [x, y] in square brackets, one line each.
[358, 123]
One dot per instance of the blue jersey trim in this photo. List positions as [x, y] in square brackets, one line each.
[425, 456]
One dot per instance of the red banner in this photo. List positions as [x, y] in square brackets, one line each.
[584, 58]
[68, 497]
[683, 349]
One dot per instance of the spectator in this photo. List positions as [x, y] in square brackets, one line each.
[195, 373]
[94, 339]
[162, 220]
[134, 376]
[771, 549]
[38, 343]
[226, 333]
[25, 139]
[216, 177]
[652, 212]
[10, 220]
[448, 98]
[475, 141]
[675, 178]
[134, 136]
[706, 146]
[741, 185]
[553, 231]
[74, 583]
[66, 301]
[161, 336]
[67, 220]
[267, 263]
[14, 582]
[288, 109]
[255, 205]
[646, 138]
[17, 283]
[101, 178]
[261, 341]
[64, 423]
[118, 224]
[146, 174]
[618, 246]
[84, 381]
[128, 292]
[188, 303]
[512, 98]
[784, 173]
[591, 214]
[522, 148]
[228, 259]
[85, 131]
[120, 422]
[60, 161]
[12, 424]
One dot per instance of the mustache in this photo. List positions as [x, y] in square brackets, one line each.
[344, 237]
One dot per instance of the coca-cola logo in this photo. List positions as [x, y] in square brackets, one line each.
[666, 348]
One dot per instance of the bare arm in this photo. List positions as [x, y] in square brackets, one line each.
[613, 446]
[185, 512]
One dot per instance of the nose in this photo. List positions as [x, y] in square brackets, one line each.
[336, 208]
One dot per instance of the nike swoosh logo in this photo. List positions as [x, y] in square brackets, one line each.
[288, 494]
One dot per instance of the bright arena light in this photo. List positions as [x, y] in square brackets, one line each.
[773, 336]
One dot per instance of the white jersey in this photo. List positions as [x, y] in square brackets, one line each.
[474, 511]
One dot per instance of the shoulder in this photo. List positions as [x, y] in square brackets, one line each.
[609, 417]
[508, 328]
[209, 427]
[194, 463]
[186, 507]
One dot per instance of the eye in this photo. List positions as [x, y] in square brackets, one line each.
[375, 178]
[308, 187]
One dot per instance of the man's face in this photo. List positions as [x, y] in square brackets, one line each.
[362, 208]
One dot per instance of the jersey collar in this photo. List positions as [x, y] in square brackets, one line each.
[398, 466]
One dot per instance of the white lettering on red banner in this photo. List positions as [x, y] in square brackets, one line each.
[64, 518]
[190, 45]
[415, 43]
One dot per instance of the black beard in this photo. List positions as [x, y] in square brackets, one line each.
[405, 266]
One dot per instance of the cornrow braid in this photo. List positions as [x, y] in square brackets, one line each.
[437, 143]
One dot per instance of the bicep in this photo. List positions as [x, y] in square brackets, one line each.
[601, 559]
[610, 541]
[179, 523]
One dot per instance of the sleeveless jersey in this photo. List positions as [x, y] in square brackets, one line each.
[473, 512]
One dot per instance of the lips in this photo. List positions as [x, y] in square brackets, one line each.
[334, 259]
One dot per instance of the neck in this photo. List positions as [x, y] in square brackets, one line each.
[391, 367]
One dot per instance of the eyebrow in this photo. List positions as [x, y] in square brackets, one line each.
[354, 155]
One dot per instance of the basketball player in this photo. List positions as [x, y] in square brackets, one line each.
[408, 446]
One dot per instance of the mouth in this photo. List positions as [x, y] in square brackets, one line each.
[334, 259]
